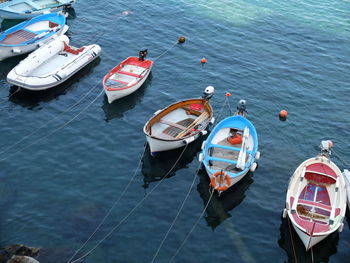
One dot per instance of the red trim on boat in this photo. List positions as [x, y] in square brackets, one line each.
[322, 169]
[130, 74]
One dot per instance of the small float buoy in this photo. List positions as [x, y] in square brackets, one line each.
[283, 115]
[125, 13]
[228, 94]
[203, 61]
[182, 40]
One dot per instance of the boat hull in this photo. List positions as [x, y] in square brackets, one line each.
[126, 78]
[316, 200]
[51, 65]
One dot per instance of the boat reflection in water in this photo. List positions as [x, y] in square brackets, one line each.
[156, 168]
[119, 107]
[219, 207]
[321, 252]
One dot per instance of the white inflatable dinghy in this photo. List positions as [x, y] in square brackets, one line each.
[52, 64]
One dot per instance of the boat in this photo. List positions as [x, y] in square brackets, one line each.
[179, 123]
[29, 35]
[230, 151]
[52, 64]
[316, 198]
[26, 9]
[346, 175]
[127, 77]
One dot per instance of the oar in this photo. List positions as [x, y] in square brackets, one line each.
[199, 119]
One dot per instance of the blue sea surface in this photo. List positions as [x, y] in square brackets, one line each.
[57, 184]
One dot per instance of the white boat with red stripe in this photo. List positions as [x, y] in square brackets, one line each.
[316, 198]
[126, 78]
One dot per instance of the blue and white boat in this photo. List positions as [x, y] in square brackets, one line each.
[230, 151]
[25, 9]
[29, 35]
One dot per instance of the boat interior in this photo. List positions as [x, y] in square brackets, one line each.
[224, 153]
[29, 32]
[126, 75]
[314, 201]
[24, 7]
[183, 120]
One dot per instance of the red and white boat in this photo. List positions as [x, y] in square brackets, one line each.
[126, 78]
[316, 198]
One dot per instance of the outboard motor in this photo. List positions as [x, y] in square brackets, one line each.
[241, 108]
[326, 148]
[143, 54]
[208, 92]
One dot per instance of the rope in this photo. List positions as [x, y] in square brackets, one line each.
[44, 124]
[57, 129]
[312, 255]
[340, 159]
[291, 240]
[113, 206]
[222, 108]
[193, 227]
[177, 215]
[131, 211]
[166, 51]
[8, 97]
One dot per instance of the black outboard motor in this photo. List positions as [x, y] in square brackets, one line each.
[143, 54]
[241, 108]
[208, 92]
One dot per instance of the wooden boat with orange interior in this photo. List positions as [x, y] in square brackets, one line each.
[180, 123]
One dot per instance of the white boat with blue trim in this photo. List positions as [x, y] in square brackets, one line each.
[52, 64]
[31, 34]
[26, 9]
[230, 151]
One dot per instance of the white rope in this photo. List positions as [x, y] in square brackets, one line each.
[193, 227]
[177, 215]
[57, 129]
[46, 123]
[113, 206]
[131, 211]
[166, 51]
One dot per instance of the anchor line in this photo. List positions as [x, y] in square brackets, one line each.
[192, 229]
[131, 211]
[112, 207]
[177, 215]
[341, 159]
[46, 123]
[222, 108]
[54, 131]
[291, 240]
[8, 97]
[166, 51]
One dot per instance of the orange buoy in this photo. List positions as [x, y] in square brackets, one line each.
[181, 40]
[228, 94]
[203, 60]
[236, 139]
[283, 115]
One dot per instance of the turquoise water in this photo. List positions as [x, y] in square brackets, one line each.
[58, 184]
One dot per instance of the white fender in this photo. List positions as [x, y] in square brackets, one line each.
[188, 140]
[16, 50]
[203, 145]
[212, 121]
[284, 214]
[253, 167]
[340, 229]
[200, 157]
[157, 112]
[204, 132]
[257, 155]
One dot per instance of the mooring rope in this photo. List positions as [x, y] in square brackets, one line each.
[344, 163]
[291, 240]
[166, 51]
[8, 97]
[46, 123]
[131, 211]
[177, 215]
[312, 255]
[222, 108]
[192, 229]
[112, 207]
[54, 131]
